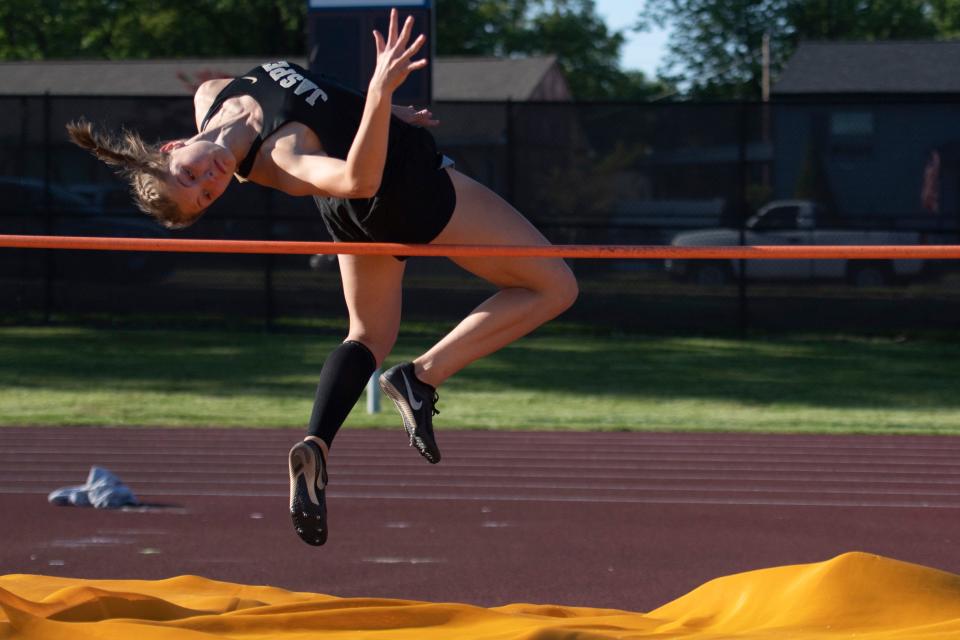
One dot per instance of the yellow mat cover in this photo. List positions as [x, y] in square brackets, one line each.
[853, 595]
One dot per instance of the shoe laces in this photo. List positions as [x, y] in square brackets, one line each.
[436, 399]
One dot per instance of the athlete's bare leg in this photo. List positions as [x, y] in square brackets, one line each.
[532, 290]
[373, 289]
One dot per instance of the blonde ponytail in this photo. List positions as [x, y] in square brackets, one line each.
[144, 167]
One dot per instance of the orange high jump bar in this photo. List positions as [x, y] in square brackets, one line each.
[789, 252]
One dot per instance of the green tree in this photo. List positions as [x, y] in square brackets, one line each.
[715, 46]
[33, 29]
[634, 85]
[945, 15]
[860, 20]
[116, 29]
[587, 50]
[481, 27]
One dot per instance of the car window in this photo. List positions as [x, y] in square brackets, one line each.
[778, 219]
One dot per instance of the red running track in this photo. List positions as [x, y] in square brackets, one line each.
[624, 520]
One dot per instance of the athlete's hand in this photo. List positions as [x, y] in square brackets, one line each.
[421, 118]
[393, 56]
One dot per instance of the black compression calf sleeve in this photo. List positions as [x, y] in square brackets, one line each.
[342, 380]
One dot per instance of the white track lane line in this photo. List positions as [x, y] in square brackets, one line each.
[27, 472]
[155, 486]
[339, 494]
[861, 470]
[941, 445]
[496, 444]
[17, 454]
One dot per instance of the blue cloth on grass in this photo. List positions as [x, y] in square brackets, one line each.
[103, 490]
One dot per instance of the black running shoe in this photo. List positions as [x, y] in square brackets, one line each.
[416, 402]
[308, 480]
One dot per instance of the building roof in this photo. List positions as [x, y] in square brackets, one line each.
[500, 79]
[119, 77]
[895, 67]
[496, 79]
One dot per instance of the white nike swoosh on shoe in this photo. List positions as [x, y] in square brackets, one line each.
[310, 475]
[416, 404]
[251, 79]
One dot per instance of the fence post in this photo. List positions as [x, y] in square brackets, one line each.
[373, 393]
[269, 304]
[49, 266]
[21, 165]
[511, 165]
[743, 310]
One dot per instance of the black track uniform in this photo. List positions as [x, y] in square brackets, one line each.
[416, 197]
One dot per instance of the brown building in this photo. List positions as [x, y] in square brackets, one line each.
[455, 79]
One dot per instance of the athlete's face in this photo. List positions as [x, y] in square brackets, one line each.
[200, 172]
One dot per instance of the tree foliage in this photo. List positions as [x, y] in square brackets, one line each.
[714, 50]
[588, 51]
[481, 27]
[123, 29]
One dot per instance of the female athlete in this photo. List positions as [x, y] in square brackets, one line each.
[375, 175]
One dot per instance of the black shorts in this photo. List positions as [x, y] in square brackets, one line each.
[415, 201]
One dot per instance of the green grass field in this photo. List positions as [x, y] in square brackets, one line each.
[552, 380]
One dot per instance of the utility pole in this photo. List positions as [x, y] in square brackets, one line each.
[765, 77]
[765, 107]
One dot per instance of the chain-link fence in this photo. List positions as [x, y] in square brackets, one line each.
[599, 173]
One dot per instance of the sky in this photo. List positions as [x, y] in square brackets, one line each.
[642, 50]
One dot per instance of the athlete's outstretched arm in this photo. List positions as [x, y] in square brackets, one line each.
[360, 174]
